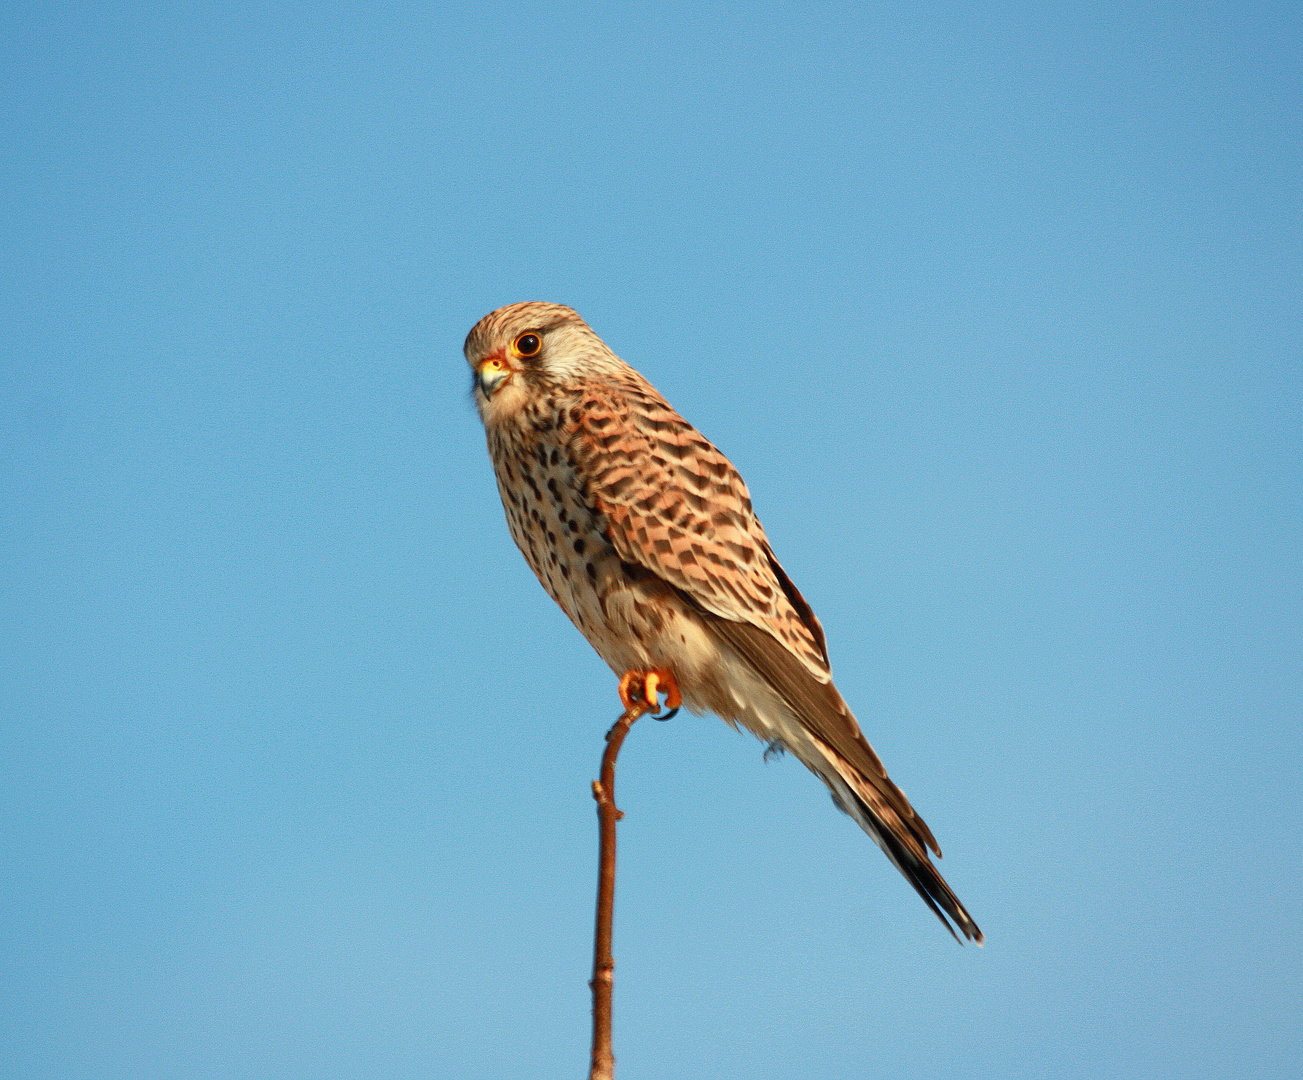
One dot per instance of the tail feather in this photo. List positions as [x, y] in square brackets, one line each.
[828, 741]
[862, 802]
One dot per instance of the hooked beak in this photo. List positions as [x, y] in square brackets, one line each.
[492, 373]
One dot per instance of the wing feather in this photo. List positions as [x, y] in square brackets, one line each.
[676, 506]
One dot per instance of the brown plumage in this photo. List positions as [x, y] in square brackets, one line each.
[643, 533]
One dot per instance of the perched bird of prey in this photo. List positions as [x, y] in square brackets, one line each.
[643, 532]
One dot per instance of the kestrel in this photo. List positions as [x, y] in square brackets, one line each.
[643, 533]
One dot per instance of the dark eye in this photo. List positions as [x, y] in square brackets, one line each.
[529, 344]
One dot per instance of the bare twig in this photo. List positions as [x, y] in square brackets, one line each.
[603, 980]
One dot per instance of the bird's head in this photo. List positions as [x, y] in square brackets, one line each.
[518, 351]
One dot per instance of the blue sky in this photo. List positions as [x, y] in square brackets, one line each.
[995, 306]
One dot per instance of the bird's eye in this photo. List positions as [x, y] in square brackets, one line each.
[528, 344]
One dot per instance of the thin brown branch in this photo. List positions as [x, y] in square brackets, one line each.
[603, 980]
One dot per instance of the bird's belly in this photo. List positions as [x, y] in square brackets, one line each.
[563, 544]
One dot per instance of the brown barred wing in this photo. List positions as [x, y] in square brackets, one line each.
[676, 506]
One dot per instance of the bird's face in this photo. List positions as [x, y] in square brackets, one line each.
[517, 352]
[502, 375]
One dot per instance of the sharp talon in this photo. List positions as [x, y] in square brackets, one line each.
[642, 690]
[673, 699]
[663, 680]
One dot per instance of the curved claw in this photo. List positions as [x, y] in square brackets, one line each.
[642, 689]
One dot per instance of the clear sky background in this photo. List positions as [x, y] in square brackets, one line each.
[995, 306]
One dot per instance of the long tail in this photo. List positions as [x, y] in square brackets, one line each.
[828, 741]
[901, 840]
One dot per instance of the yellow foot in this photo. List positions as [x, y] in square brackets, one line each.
[642, 690]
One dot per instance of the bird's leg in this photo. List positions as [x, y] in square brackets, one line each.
[643, 688]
